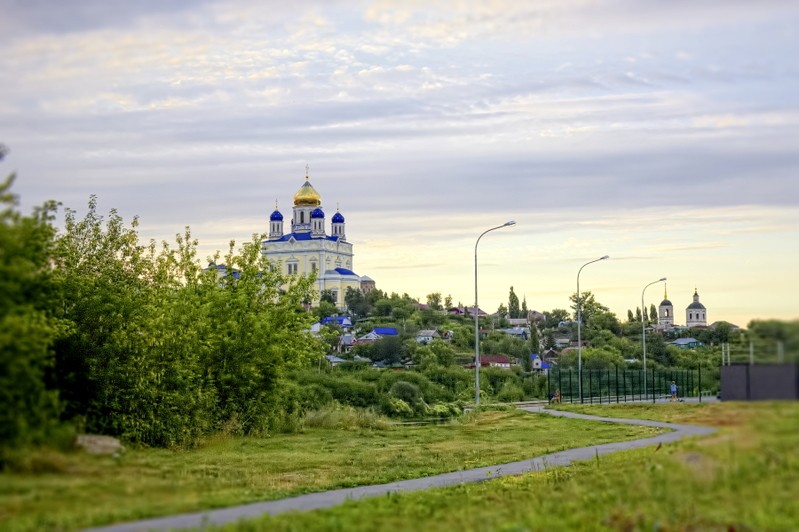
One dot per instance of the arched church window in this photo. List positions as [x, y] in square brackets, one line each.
[302, 217]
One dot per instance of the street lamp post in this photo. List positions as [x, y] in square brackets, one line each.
[643, 327]
[476, 317]
[579, 323]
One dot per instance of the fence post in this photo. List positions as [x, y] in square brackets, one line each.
[653, 385]
[699, 386]
[571, 397]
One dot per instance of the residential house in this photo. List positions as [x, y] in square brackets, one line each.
[687, 343]
[518, 332]
[426, 336]
[333, 360]
[465, 311]
[539, 364]
[376, 334]
[495, 361]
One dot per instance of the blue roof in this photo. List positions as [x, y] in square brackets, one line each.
[385, 331]
[317, 213]
[302, 236]
[276, 216]
[685, 341]
[345, 271]
[338, 218]
[337, 319]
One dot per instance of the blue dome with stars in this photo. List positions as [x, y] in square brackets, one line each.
[338, 218]
[317, 213]
[276, 216]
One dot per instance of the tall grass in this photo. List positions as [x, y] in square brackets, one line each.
[335, 416]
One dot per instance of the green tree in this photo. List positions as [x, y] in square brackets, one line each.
[163, 351]
[357, 303]
[513, 304]
[383, 307]
[554, 317]
[653, 313]
[325, 309]
[328, 297]
[389, 349]
[434, 300]
[29, 407]
[630, 317]
[502, 310]
[448, 302]
[588, 306]
[401, 310]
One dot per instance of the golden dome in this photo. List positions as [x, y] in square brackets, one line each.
[307, 195]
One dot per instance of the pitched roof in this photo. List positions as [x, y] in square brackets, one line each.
[494, 359]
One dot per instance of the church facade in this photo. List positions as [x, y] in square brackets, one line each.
[695, 313]
[305, 247]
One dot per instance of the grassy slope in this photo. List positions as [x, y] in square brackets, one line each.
[743, 478]
[83, 490]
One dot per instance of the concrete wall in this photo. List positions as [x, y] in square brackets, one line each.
[744, 382]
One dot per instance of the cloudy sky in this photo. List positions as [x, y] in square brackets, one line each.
[663, 134]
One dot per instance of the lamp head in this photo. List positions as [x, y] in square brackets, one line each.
[512, 222]
[605, 257]
[662, 279]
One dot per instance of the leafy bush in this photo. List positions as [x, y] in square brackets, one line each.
[510, 392]
[431, 392]
[29, 406]
[453, 379]
[406, 391]
[391, 406]
[344, 388]
[445, 410]
[313, 396]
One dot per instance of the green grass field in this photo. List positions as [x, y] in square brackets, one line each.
[745, 477]
[55, 491]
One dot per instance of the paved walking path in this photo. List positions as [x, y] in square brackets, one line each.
[313, 501]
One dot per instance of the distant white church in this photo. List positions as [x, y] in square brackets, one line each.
[307, 248]
[695, 313]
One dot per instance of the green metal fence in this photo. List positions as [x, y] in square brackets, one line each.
[623, 385]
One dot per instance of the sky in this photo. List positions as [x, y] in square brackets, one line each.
[662, 134]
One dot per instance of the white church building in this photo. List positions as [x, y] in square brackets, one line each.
[695, 313]
[307, 248]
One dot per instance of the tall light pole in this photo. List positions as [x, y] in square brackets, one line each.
[579, 322]
[476, 317]
[643, 326]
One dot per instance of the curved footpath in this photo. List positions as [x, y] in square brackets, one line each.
[313, 501]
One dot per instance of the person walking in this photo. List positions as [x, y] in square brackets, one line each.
[673, 391]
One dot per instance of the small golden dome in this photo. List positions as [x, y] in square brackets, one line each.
[307, 195]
